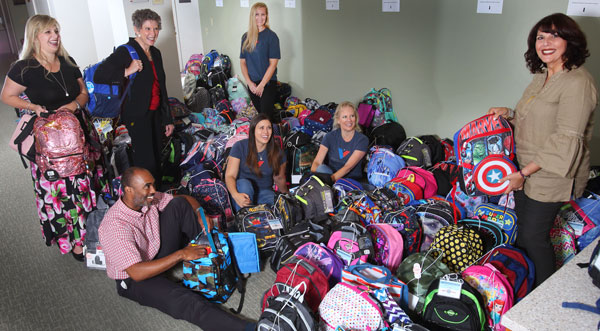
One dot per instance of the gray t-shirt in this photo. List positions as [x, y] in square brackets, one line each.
[339, 151]
[240, 151]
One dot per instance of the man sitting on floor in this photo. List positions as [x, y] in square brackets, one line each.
[144, 234]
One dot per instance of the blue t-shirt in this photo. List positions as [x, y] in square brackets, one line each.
[240, 151]
[267, 47]
[339, 151]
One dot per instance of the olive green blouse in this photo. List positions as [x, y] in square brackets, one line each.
[553, 128]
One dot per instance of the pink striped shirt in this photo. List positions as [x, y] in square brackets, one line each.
[129, 237]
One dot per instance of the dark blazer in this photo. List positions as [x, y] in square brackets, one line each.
[135, 106]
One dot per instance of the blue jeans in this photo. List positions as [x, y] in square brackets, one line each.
[324, 169]
[257, 195]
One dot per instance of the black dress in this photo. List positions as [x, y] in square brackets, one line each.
[62, 205]
[145, 127]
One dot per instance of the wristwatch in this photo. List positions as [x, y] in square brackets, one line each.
[78, 105]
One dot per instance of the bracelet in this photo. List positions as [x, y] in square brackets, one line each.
[521, 173]
[511, 114]
[78, 105]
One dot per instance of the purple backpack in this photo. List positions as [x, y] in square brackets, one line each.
[325, 259]
[388, 244]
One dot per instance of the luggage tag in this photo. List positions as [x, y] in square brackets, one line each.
[347, 257]
[275, 224]
[450, 287]
[51, 175]
[577, 226]
[186, 121]
[327, 201]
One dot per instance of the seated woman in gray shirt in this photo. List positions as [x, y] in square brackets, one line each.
[254, 164]
[344, 147]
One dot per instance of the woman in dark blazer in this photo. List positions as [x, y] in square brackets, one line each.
[145, 110]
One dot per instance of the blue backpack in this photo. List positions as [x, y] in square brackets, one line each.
[105, 100]
[383, 165]
[215, 276]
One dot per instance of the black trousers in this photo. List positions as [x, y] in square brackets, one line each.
[178, 225]
[264, 104]
[146, 140]
[534, 221]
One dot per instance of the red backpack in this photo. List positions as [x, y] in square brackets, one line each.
[60, 144]
[303, 280]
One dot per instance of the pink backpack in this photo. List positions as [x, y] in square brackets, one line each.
[388, 244]
[351, 243]
[495, 289]
[352, 308]
[421, 177]
[60, 144]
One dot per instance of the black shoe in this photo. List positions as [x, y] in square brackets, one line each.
[79, 257]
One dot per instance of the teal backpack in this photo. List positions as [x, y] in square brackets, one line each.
[215, 276]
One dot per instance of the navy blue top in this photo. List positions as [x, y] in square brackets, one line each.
[240, 151]
[339, 151]
[267, 47]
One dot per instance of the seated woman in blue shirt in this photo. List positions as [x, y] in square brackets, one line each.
[254, 164]
[344, 147]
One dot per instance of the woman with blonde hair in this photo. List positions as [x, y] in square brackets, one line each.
[344, 147]
[259, 56]
[51, 80]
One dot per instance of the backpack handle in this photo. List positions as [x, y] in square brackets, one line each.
[357, 268]
[208, 234]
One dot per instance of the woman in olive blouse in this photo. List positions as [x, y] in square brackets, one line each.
[553, 127]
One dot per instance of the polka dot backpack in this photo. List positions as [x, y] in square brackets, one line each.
[461, 246]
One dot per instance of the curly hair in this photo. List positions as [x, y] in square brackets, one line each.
[564, 27]
[142, 15]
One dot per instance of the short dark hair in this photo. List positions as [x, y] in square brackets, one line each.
[127, 176]
[142, 15]
[566, 28]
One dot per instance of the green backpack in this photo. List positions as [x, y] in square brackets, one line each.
[418, 271]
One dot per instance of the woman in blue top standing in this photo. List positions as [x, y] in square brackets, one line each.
[254, 164]
[259, 56]
[344, 147]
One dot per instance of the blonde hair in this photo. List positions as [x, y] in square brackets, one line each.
[31, 47]
[252, 34]
[336, 116]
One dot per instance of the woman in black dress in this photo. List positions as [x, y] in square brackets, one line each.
[145, 110]
[51, 80]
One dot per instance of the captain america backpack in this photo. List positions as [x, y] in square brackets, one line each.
[481, 138]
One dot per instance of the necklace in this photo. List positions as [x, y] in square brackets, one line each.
[64, 85]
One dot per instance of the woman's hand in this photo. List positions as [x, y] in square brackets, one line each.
[70, 107]
[516, 182]
[252, 87]
[38, 109]
[259, 90]
[134, 66]
[242, 199]
[499, 111]
[169, 129]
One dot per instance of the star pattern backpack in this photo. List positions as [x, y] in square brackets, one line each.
[477, 140]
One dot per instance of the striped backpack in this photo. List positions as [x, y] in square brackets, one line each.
[564, 242]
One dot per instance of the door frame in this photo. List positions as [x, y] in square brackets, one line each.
[10, 31]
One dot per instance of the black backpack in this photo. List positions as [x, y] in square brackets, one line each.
[199, 100]
[217, 94]
[216, 76]
[415, 152]
[316, 199]
[297, 236]
[466, 313]
[289, 211]
[389, 134]
[259, 220]
[285, 313]
[435, 146]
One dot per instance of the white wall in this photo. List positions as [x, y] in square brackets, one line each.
[107, 19]
[19, 16]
